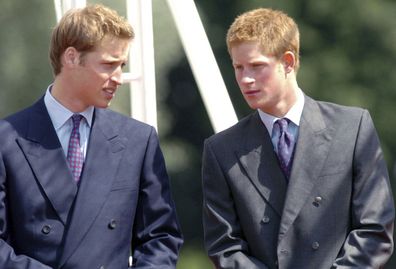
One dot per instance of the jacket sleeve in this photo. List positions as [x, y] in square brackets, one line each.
[8, 257]
[156, 237]
[369, 244]
[224, 241]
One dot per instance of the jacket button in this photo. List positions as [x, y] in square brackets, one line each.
[112, 224]
[315, 245]
[265, 219]
[46, 229]
[317, 201]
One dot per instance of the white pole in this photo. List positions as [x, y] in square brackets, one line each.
[61, 6]
[58, 9]
[141, 62]
[203, 63]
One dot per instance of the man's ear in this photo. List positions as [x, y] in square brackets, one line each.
[289, 61]
[71, 57]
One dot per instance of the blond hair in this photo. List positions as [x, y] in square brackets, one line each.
[84, 29]
[276, 32]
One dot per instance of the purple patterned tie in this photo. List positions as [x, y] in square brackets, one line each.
[75, 156]
[285, 145]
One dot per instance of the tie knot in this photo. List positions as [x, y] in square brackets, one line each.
[281, 124]
[76, 118]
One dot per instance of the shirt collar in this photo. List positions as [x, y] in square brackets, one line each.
[60, 114]
[294, 114]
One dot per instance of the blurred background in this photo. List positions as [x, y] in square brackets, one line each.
[348, 56]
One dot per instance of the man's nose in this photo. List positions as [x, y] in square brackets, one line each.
[246, 79]
[117, 76]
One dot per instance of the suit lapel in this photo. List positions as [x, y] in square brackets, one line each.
[259, 161]
[104, 153]
[311, 152]
[45, 155]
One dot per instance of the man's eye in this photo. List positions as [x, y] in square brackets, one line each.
[257, 65]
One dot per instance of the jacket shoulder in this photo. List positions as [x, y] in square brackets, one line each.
[235, 132]
[332, 114]
[124, 123]
[337, 108]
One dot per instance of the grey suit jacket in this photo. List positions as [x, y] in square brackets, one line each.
[123, 202]
[336, 211]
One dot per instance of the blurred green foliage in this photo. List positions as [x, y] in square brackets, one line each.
[348, 53]
[193, 258]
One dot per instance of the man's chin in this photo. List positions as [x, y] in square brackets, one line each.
[253, 106]
[104, 105]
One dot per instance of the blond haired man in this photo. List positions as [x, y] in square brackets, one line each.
[82, 187]
[298, 184]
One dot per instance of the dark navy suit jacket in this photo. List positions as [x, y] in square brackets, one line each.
[123, 203]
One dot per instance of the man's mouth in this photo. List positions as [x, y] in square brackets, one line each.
[251, 92]
[110, 92]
